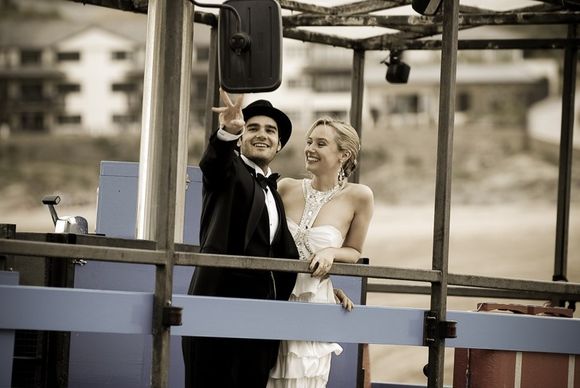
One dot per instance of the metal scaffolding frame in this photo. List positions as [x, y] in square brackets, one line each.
[169, 43]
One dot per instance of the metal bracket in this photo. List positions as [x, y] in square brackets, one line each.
[172, 316]
[434, 329]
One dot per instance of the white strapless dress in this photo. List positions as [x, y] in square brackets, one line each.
[306, 364]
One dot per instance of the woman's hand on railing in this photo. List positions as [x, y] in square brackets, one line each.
[343, 299]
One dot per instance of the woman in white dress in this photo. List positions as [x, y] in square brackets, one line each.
[328, 218]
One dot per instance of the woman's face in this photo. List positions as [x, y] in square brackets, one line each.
[321, 151]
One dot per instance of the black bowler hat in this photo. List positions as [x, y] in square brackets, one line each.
[265, 108]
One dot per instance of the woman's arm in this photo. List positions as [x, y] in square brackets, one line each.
[351, 249]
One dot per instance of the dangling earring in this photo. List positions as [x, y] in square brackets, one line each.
[341, 174]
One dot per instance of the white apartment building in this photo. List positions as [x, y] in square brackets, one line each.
[64, 76]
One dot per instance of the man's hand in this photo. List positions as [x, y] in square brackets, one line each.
[230, 115]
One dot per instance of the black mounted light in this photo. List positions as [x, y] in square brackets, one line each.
[397, 70]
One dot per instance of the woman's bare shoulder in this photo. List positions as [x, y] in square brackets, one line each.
[361, 192]
[288, 184]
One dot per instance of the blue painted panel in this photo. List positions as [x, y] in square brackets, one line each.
[289, 320]
[7, 338]
[67, 309]
[344, 367]
[508, 331]
[117, 201]
[37, 308]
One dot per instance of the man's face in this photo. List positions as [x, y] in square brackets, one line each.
[260, 142]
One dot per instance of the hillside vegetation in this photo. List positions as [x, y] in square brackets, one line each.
[488, 166]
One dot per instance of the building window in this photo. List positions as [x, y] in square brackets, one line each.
[123, 87]
[120, 55]
[69, 88]
[463, 102]
[65, 56]
[32, 121]
[124, 119]
[296, 83]
[331, 82]
[31, 91]
[69, 119]
[404, 104]
[30, 57]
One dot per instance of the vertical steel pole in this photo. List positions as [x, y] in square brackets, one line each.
[158, 170]
[443, 184]
[213, 83]
[356, 99]
[565, 163]
[184, 112]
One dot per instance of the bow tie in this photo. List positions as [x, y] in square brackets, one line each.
[269, 181]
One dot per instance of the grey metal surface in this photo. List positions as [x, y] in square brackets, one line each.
[129, 312]
[7, 338]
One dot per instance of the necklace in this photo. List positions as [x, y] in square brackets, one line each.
[314, 200]
[321, 197]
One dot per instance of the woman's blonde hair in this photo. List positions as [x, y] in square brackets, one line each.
[346, 138]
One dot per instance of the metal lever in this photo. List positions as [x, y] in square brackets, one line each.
[50, 201]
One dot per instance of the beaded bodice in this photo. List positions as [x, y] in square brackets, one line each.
[314, 201]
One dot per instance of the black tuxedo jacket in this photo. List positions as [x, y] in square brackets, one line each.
[234, 221]
[233, 204]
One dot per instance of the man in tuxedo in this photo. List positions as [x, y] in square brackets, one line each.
[242, 214]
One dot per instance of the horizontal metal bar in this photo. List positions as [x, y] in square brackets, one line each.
[514, 284]
[469, 292]
[60, 309]
[465, 20]
[303, 7]
[101, 253]
[368, 6]
[144, 256]
[213, 260]
[140, 6]
[488, 44]
[326, 39]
